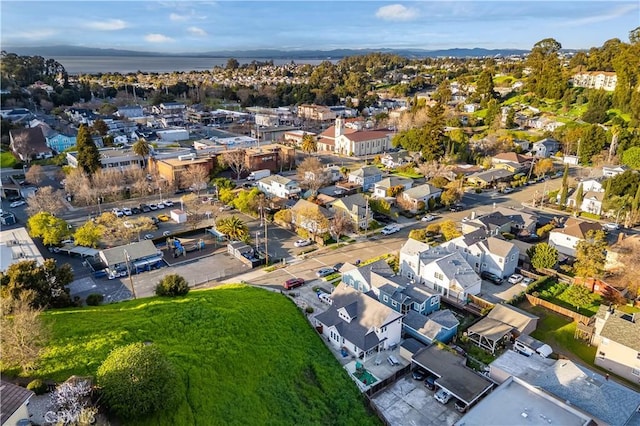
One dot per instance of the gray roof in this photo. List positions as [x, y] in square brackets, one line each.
[492, 174]
[455, 267]
[430, 325]
[135, 251]
[621, 328]
[422, 191]
[380, 267]
[366, 171]
[393, 181]
[12, 396]
[497, 246]
[355, 203]
[604, 399]
[522, 366]
[412, 345]
[517, 318]
[413, 247]
[283, 180]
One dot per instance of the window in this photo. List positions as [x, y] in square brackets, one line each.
[605, 341]
[500, 260]
[434, 301]
[635, 371]
[385, 298]
[438, 275]
[394, 303]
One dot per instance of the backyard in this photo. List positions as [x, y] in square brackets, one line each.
[246, 356]
[560, 294]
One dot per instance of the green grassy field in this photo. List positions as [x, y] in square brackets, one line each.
[7, 159]
[246, 355]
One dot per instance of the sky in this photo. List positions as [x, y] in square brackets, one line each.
[201, 26]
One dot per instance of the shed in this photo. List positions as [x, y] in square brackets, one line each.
[503, 322]
[14, 403]
[179, 216]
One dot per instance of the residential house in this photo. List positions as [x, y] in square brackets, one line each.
[410, 257]
[316, 112]
[591, 201]
[311, 217]
[611, 171]
[359, 324]
[29, 143]
[354, 142]
[130, 111]
[274, 157]
[440, 326]
[566, 239]
[295, 136]
[356, 207]
[605, 80]
[511, 161]
[82, 116]
[17, 115]
[279, 186]
[359, 277]
[366, 176]
[617, 335]
[383, 188]
[501, 220]
[111, 158]
[14, 408]
[490, 177]
[545, 148]
[421, 194]
[392, 160]
[491, 254]
[172, 169]
[60, 142]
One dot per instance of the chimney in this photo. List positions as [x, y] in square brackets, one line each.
[473, 214]
[339, 130]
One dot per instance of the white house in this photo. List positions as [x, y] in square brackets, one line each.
[490, 254]
[611, 171]
[545, 148]
[591, 201]
[278, 186]
[381, 189]
[421, 193]
[359, 324]
[566, 239]
[354, 142]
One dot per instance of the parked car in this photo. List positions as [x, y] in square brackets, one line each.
[145, 208]
[515, 278]
[163, 218]
[166, 233]
[390, 229]
[525, 282]
[456, 208]
[117, 212]
[430, 382]
[461, 407]
[323, 272]
[148, 237]
[127, 211]
[489, 276]
[428, 218]
[17, 203]
[391, 359]
[419, 374]
[161, 205]
[153, 206]
[293, 283]
[507, 190]
[136, 210]
[302, 243]
[611, 226]
[168, 203]
[442, 396]
[225, 208]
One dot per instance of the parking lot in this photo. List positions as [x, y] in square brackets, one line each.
[409, 402]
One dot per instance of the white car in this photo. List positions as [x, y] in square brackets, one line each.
[127, 211]
[525, 282]
[161, 205]
[117, 212]
[611, 226]
[428, 218]
[390, 229]
[442, 396]
[225, 208]
[166, 233]
[148, 237]
[168, 203]
[515, 278]
[153, 206]
[302, 243]
[17, 203]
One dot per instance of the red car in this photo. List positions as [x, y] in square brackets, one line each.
[293, 283]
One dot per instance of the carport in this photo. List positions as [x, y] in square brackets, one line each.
[453, 376]
[80, 250]
[488, 333]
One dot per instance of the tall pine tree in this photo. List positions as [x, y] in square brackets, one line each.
[565, 188]
[88, 154]
[545, 78]
[579, 197]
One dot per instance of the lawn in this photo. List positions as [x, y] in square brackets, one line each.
[246, 355]
[558, 331]
[7, 159]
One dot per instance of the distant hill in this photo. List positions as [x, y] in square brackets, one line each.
[62, 50]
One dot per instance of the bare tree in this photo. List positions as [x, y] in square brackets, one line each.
[72, 402]
[47, 199]
[78, 184]
[22, 147]
[195, 178]
[433, 169]
[235, 160]
[312, 175]
[341, 224]
[23, 332]
[196, 209]
[35, 175]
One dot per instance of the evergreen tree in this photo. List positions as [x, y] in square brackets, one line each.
[579, 197]
[142, 148]
[565, 187]
[636, 200]
[485, 88]
[545, 78]
[593, 141]
[88, 154]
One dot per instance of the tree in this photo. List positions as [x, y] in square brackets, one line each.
[543, 256]
[47, 282]
[172, 285]
[88, 234]
[232, 64]
[234, 228]
[592, 143]
[579, 197]
[47, 199]
[591, 255]
[309, 144]
[579, 296]
[35, 175]
[235, 160]
[449, 230]
[100, 127]
[484, 87]
[195, 178]
[247, 201]
[565, 186]
[450, 196]
[433, 169]
[599, 103]
[631, 157]
[543, 167]
[142, 148]
[545, 77]
[88, 154]
[24, 334]
[340, 225]
[312, 175]
[22, 147]
[138, 380]
[51, 229]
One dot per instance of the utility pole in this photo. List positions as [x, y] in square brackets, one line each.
[266, 239]
[128, 258]
[366, 219]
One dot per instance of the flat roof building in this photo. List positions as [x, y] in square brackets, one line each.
[16, 246]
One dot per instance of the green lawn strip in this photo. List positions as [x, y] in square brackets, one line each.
[7, 160]
[247, 356]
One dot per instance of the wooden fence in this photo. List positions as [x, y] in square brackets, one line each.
[535, 301]
[560, 276]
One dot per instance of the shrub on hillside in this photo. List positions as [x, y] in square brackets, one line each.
[37, 386]
[94, 299]
[172, 285]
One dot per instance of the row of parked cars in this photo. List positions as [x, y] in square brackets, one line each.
[144, 208]
[441, 395]
[513, 279]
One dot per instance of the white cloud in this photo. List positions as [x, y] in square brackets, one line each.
[178, 17]
[607, 16]
[197, 31]
[157, 38]
[396, 12]
[109, 25]
[36, 34]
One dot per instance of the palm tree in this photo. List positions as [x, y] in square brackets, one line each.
[309, 144]
[141, 148]
[234, 228]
